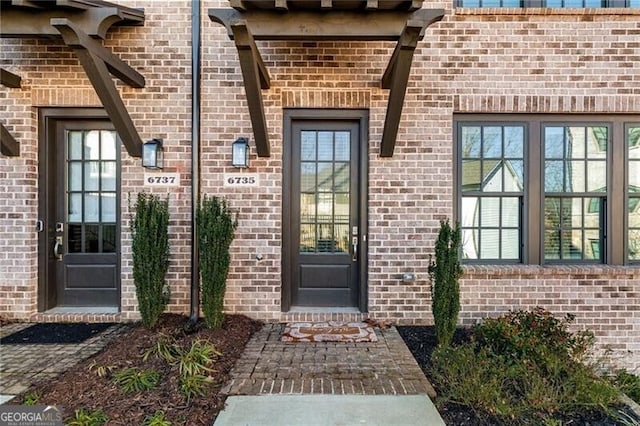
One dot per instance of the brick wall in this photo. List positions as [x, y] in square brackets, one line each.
[490, 61]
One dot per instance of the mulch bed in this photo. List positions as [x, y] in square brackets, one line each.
[82, 387]
[422, 341]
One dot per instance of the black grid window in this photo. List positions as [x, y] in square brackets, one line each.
[491, 177]
[633, 192]
[575, 189]
[574, 182]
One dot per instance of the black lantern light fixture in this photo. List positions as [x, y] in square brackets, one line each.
[153, 154]
[240, 153]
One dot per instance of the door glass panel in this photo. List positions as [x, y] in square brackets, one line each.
[92, 145]
[325, 191]
[74, 238]
[308, 150]
[92, 196]
[75, 176]
[343, 146]
[91, 175]
[75, 208]
[75, 145]
[109, 238]
[342, 177]
[308, 207]
[108, 175]
[91, 207]
[92, 239]
[108, 207]
[108, 147]
[325, 146]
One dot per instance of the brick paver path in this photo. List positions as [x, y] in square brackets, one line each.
[23, 365]
[269, 366]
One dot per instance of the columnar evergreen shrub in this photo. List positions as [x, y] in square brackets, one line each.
[150, 248]
[216, 225]
[445, 289]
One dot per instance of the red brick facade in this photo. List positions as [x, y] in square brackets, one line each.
[473, 61]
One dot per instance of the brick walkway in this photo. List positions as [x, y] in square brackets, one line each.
[23, 365]
[269, 366]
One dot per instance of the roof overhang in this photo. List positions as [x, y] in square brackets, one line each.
[81, 24]
[382, 20]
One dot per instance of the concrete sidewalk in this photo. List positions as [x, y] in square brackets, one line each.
[329, 410]
[327, 384]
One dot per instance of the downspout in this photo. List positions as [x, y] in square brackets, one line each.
[195, 163]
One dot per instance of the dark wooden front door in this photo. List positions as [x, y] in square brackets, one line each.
[81, 223]
[324, 234]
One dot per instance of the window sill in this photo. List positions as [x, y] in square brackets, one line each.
[466, 11]
[536, 270]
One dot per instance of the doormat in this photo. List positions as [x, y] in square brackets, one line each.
[329, 331]
[55, 333]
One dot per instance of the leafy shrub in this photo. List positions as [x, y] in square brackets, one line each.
[194, 385]
[522, 368]
[445, 273]
[85, 418]
[216, 225]
[165, 348]
[534, 335]
[197, 359]
[150, 248]
[136, 380]
[629, 384]
[157, 419]
[31, 398]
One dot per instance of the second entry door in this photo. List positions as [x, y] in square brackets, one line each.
[325, 227]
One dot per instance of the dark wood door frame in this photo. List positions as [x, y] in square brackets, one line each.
[48, 119]
[362, 117]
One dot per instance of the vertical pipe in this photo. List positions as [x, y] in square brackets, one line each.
[195, 161]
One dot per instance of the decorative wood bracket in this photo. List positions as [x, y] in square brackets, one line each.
[97, 61]
[9, 79]
[9, 146]
[255, 77]
[246, 24]
[395, 78]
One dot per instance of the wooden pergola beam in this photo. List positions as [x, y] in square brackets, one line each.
[75, 38]
[92, 59]
[302, 25]
[255, 77]
[95, 21]
[395, 78]
[9, 79]
[9, 146]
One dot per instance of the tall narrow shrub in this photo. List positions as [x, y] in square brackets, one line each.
[150, 247]
[445, 288]
[216, 225]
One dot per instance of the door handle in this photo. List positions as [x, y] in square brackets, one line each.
[354, 244]
[57, 248]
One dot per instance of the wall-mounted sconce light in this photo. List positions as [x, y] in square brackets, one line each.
[240, 153]
[153, 154]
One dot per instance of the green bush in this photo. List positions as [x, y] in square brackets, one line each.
[157, 419]
[85, 418]
[135, 380]
[150, 248]
[445, 273]
[629, 384]
[534, 335]
[523, 368]
[216, 225]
